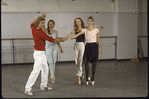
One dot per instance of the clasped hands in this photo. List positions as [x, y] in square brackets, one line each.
[64, 39]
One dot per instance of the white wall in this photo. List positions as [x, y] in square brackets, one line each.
[127, 35]
[113, 15]
[64, 25]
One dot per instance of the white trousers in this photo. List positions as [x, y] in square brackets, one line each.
[40, 63]
[79, 52]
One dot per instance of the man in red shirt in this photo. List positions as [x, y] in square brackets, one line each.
[40, 63]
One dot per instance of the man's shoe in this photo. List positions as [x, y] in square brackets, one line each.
[29, 93]
[46, 88]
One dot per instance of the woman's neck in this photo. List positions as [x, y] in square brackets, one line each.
[90, 27]
[51, 29]
[79, 27]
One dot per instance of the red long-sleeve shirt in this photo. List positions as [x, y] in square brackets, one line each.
[39, 38]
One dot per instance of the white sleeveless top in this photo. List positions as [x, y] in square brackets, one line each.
[53, 35]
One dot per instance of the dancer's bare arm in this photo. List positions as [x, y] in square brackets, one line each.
[74, 36]
[59, 42]
[42, 15]
[70, 34]
[95, 26]
[98, 40]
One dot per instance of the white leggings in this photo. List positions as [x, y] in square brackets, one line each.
[79, 52]
[51, 54]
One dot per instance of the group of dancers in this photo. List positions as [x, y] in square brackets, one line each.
[45, 53]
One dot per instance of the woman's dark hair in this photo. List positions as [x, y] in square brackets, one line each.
[91, 18]
[48, 25]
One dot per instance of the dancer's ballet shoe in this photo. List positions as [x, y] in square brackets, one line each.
[88, 78]
[86, 82]
[82, 76]
[52, 79]
[92, 82]
[79, 79]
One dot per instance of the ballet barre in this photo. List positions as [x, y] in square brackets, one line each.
[13, 46]
[59, 38]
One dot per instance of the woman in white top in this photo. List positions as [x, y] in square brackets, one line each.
[92, 47]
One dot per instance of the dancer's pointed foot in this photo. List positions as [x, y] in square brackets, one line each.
[79, 79]
[86, 82]
[89, 78]
[52, 79]
[92, 82]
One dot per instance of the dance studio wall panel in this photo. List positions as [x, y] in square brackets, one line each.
[143, 31]
[127, 35]
[107, 48]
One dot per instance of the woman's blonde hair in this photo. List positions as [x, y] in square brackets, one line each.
[38, 20]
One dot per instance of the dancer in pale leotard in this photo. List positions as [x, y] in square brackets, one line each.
[51, 49]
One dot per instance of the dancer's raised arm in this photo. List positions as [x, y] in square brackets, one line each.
[42, 15]
[95, 26]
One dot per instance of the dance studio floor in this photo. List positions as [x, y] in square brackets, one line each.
[112, 79]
